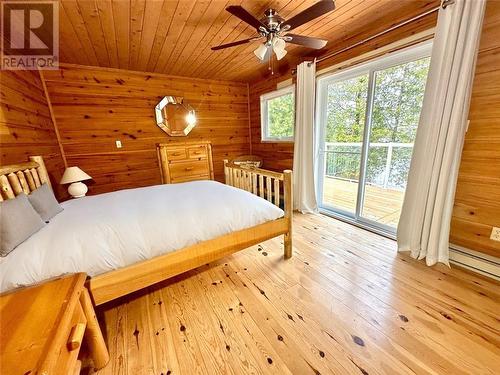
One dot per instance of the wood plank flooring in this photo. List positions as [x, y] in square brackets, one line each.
[345, 303]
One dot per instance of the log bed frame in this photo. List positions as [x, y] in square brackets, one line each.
[26, 177]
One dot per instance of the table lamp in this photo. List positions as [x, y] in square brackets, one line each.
[75, 176]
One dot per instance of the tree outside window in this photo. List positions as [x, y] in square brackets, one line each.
[278, 115]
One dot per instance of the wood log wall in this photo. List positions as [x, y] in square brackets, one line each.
[477, 199]
[94, 107]
[26, 126]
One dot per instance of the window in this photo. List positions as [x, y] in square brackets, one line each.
[277, 112]
[367, 119]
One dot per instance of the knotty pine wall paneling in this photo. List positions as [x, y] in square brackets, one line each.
[26, 126]
[477, 198]
[94, 107]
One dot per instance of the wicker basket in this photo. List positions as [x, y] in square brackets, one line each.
[252, 161]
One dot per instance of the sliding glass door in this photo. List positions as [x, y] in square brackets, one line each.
[367, 119]
[343, 136]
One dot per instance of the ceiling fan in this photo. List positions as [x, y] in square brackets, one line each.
[274, 30]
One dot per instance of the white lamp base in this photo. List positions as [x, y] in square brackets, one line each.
[77, 189]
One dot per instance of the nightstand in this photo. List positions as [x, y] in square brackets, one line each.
[42, 328]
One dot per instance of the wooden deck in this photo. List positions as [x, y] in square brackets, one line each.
[345, 303]
[381, 205]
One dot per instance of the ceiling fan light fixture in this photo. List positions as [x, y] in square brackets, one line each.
[278, 44]
[280, 53]
[279, 48]
[261, 51]
[274, 29]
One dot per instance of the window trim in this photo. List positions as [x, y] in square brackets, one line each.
[264, 98]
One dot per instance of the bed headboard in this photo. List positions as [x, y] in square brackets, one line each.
[24, 177]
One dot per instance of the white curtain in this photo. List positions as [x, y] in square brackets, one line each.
[304, 154]
[424, 226]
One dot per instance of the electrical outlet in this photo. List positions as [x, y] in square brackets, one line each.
[495, 234]
[118, 144]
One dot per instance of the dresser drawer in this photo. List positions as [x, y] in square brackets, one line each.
[190, 178]
[181, 162]
[176, 154]
[197, 152]
[68, 356]
[188, 169]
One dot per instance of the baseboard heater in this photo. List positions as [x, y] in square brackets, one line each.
[475, 261]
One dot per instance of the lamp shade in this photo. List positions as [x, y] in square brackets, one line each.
[73, 174]
[280, 53]
[261, 51]
[279, 48]
[279, 44]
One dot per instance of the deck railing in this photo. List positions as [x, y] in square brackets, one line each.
[387, 167]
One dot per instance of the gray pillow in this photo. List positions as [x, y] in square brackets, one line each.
[44, 202]
[18, 221]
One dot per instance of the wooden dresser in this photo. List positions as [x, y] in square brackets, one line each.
[184, 162]
[43, 327]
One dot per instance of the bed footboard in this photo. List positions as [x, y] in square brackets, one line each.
[272, 186]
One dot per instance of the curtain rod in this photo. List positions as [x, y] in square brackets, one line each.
[445, 4]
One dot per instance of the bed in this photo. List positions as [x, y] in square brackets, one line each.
[131, 239]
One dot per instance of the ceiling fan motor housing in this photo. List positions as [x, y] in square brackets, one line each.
[272, 20]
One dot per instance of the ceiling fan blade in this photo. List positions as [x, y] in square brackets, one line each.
[306, 41]
[314, 11]
[237, 43]
[243, 15]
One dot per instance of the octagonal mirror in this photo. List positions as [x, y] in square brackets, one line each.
[174, 116]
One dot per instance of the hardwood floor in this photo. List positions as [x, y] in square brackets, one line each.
[345, 303]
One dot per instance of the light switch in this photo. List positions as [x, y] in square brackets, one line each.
[118, 144]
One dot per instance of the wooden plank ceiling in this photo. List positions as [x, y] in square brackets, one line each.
[174, 37]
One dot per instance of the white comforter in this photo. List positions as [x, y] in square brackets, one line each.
[104, 232]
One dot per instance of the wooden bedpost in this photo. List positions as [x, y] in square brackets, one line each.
[288, 192]
[42, 170]
[226, 172]
[93, 334]
[266, 184]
